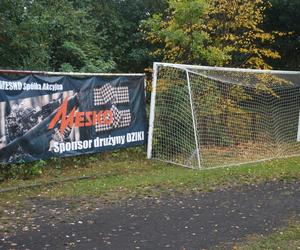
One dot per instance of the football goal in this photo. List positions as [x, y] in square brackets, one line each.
[203, 117]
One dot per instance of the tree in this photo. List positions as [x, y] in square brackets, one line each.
[213, 32]
[179, 35]
[40, 35]
[235, 26]
[117, 28]
[284, 16]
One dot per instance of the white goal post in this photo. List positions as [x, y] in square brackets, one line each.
[205, 117]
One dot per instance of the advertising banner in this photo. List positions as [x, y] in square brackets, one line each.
[55, 116]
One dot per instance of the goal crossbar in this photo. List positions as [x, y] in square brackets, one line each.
[213, 68]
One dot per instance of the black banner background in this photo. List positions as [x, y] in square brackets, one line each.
[29, 104]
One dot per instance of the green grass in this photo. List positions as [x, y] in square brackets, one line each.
[117, 176]
[286, 238]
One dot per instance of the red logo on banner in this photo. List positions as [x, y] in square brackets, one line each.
[80, 119]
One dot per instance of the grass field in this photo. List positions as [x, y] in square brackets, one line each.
[118, 175]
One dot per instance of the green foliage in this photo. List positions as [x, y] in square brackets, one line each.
[98, 36]
[284, 16]
[179, 36]
[22, 170]
[57, 165]
[117, 29]
[42, 35]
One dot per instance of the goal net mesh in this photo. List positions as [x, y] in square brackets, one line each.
[210, 117]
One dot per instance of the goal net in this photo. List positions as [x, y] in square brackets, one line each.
[204, 117]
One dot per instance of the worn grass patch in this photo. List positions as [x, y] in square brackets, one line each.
[286, 238]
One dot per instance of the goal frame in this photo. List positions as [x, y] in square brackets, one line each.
[186, 67]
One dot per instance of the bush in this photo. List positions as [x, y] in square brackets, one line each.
[21, 170]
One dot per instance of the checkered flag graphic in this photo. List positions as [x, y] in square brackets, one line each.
[122, 95]
[117, 116]
[121, 118]
[107, 93]
[104, 95]
[115, 95]
[125, 118]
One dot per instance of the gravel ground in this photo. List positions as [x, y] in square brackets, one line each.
[191, 221]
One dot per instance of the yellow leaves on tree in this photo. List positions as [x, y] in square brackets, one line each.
[234, 25]
[212, 32]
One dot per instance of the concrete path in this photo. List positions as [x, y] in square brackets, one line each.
[194, 221]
